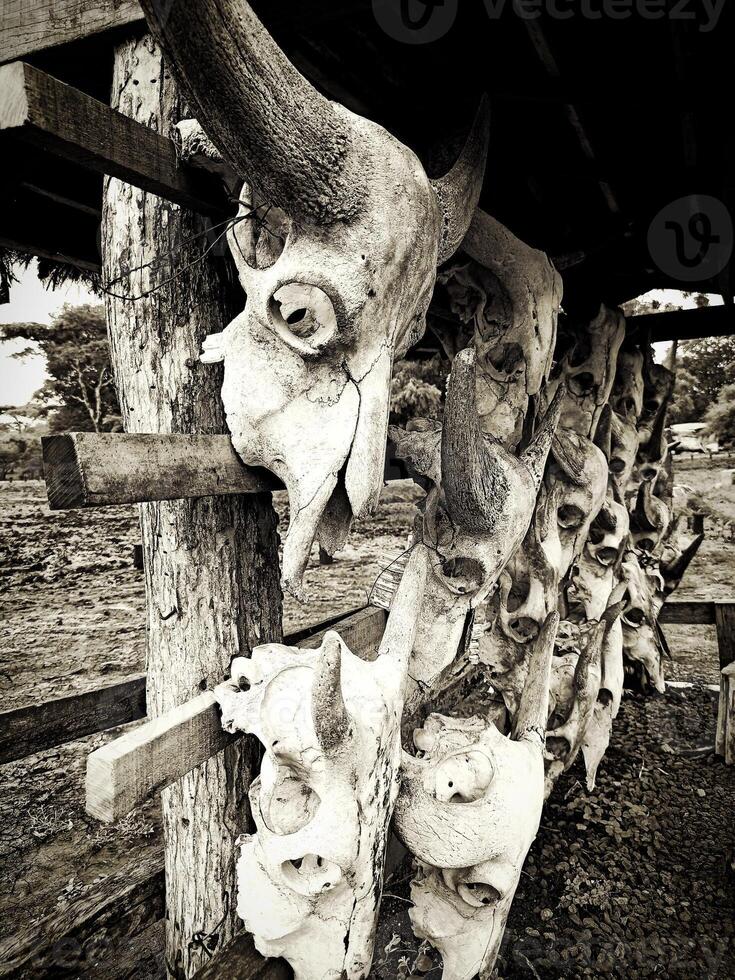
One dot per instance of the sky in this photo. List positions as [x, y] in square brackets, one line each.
[31, 301]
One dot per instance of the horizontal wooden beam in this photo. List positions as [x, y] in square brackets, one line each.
[36, 727]
[101, 469]
[687, 613]
[707, 321]
[67, 942]
[90, 469]
[49, 229]
[59, 120]
[125, 772]
[28, 26]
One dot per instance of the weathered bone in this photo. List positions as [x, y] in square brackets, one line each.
[338, 281]
[512, 294]
[641, 644]
[599, 727]
[649, 519]
[469, 809]
[674, 565]
[623, 454]
[628, 390]
[575, 686]
[310, 878]
[658, 381]
[477, 511]
[590, 352]
[595, 574]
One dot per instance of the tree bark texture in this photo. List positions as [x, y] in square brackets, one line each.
[211, 565]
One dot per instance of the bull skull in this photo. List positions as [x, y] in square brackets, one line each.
[599, 727]
[576, 675]
[469, 808]
[310, 878]
[649, 520]
[336, 246]
[658, 387]
[587, 365]
[641, 642]
[628, 390]
[594, 577]
[511, 293]
[476, 513]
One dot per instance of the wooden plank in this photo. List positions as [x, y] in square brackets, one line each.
[48, 230]
[99, 469]
[41, 111]
[709, 321]
[72, 938]
[125, 772]
[36, 727]
[28, 26]
[688, 613]
[89, 469]
[725, 620]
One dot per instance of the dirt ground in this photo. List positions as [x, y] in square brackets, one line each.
[72, 611]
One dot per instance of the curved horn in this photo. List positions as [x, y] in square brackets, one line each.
[263, 115]
[535, 456]
[533, 710]
[459, 191]
[656, 446]
[328, 710]
[472, 478]
[673, 571]
[644, 514]
[603, 432]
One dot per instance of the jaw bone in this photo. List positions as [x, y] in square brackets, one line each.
[310, 878]
[336, 245]
[469, 809]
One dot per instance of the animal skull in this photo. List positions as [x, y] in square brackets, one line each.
[599, 727]
[641, 644]
[627, 394]
[624, 447]
[512, 294]
[310, 878]
[469, 808]
[649, 520]
[658, 382]
[594, 576]
[477, 511]
[336, 247]
[587, 364]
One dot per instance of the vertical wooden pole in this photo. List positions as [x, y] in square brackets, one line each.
[211, 564]
[725, 623]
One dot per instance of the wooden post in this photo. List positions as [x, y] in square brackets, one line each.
[725, 738]
[211, 564]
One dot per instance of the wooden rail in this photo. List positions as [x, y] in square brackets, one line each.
[37, 727]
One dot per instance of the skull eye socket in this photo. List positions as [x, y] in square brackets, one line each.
[478, 894]
[606, 556]
[646, 544]
[526, 628]
[617, 465]
[634, 617]
[466, 574]
[304, 316]
[582, 384]
[649, 473]
[651, 406]
[570, 517]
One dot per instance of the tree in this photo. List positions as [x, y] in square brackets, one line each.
[705, 368]
[720, 417]
[80, 392]
[417, 389]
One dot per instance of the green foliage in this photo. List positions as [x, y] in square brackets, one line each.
[720, 417]
[705, 368]
[417, 389]
[80, 393]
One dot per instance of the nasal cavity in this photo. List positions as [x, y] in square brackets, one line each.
[466, 574]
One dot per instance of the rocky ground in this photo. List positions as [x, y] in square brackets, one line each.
[629, 880]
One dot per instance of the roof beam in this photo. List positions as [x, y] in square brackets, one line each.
[707, 321]
[27, 27]
[40, 111]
